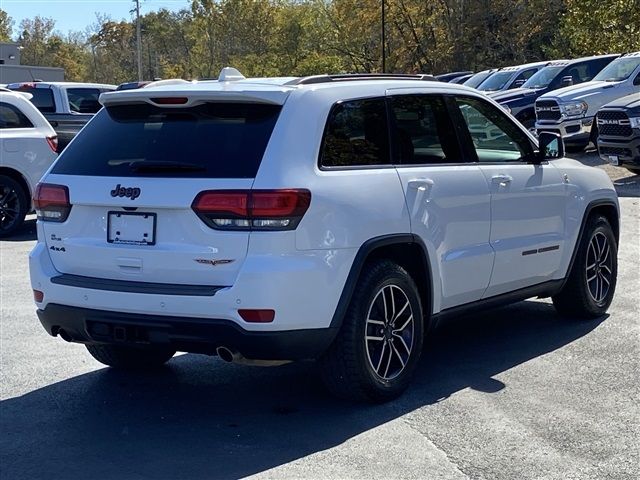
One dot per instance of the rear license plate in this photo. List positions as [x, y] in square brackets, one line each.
[613, 159]
[131, 228]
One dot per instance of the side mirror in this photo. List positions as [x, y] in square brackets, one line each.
[551, 146]
[518, 83]
[567, 81]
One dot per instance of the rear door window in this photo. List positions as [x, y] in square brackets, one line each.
[423, 130]
[84, 100]
[356, 134]
[213, 140]
[12, 117]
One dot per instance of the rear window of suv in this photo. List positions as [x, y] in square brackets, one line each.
[212, 140]
[42, 98]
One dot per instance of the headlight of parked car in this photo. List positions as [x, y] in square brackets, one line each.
[635, 122]
[574, 109]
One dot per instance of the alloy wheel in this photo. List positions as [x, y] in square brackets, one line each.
[389, 332]
[599, 269]
[9, 207]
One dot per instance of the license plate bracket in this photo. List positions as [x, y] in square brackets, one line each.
[131, 228]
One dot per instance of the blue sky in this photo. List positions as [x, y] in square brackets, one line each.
[78, 14]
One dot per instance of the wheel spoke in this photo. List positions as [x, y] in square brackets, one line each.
[404, 344]
[605, 279]
[605, 256]
[375, 322]
[605, 267]
[386, 370]
[409, 320]
[384, 346]
[395, 350]
[384, 302]
[400, 312]
[592, 278]
[372, 338]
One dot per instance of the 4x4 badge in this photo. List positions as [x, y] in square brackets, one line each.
[131, 192]
[213, 263]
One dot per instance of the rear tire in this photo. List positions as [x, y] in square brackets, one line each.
[591, 284]
[130, 358]
[379, 344]
[13, 205]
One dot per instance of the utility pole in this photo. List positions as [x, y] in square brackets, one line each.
[384, 52]
[138, 40]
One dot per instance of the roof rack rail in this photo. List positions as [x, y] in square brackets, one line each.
[360, 76]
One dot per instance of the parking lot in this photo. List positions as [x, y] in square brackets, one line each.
[511, 393]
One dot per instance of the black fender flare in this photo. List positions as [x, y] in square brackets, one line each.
[603, 202]
[359, 261]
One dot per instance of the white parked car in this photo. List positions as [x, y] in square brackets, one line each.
[27, 149]
[333, 217]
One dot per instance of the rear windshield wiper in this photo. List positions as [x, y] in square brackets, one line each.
[144, 166]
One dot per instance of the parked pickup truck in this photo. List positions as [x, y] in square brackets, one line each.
[68, 106]
[619, 132]
[558, 74]
[570, 111]
[508, 78]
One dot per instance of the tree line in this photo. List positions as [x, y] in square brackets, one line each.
[304, 37]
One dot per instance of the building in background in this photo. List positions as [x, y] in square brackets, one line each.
[11, 71]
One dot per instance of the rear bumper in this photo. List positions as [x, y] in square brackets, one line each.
[196, 335]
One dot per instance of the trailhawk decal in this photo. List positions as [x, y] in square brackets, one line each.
[213, 263]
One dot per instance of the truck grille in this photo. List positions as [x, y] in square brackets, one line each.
[614, 124]
[547, 110]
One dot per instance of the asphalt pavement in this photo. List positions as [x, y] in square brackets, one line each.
[514, 393]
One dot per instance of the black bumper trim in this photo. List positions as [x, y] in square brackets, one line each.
[195, 335]
[135, 287]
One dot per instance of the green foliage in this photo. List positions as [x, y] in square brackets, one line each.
[592, 27]
[6, 26]
[306, 37]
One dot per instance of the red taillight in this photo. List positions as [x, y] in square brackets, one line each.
[53, 143]
[170, 100]
[38, 296]
[52, 202]
[252, 209]
[257, 316]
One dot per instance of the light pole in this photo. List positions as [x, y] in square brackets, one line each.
[138, 41]
[384, 53]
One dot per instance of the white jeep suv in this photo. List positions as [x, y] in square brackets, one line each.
[27, 149]
[335, 218]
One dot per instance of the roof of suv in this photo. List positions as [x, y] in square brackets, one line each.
[60, 84]
[273, 90]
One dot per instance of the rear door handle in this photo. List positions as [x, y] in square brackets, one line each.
[502, 179]
[420, 184]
